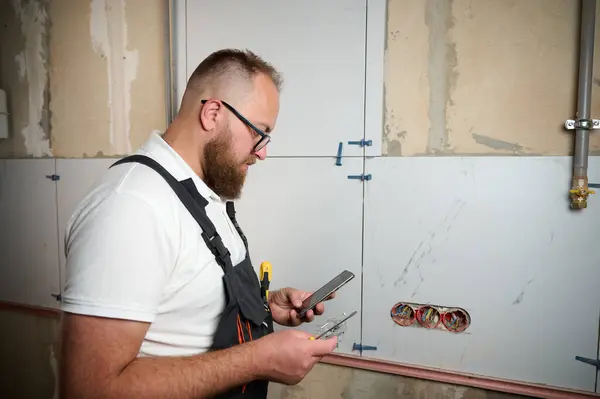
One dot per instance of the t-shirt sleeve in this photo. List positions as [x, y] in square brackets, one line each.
[118, 259]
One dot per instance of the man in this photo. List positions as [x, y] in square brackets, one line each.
[161, 299]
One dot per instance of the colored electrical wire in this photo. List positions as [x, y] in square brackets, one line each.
[428, 317]
[403, 314]
[456, 320]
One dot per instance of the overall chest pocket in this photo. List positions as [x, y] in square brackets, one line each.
[243, 285]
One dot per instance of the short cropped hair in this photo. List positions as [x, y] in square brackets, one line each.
[226, 63]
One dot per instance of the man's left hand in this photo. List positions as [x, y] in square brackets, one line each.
[285, 302]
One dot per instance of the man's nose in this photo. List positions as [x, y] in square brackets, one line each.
[261, 154]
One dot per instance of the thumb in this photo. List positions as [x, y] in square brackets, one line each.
[321, 347]
[294, 296]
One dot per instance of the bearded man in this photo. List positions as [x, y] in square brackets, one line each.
[161, 298]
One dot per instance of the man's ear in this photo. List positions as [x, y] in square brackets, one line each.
[209, 114]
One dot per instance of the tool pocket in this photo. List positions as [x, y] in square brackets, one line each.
[246, 289]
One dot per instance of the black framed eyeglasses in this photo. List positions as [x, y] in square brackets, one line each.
[265, 138]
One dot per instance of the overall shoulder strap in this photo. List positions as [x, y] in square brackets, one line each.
[231, 213]
[194, 202]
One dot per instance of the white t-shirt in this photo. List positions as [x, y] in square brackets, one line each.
[134, 252]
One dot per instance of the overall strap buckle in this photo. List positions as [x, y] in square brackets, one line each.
[219, 250]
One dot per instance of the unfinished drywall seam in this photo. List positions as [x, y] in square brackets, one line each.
[442, 76]
[32, 64]
[108, 28]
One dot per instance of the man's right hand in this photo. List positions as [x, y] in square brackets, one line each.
[289, 355]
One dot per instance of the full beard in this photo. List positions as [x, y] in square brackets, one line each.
[222, 173]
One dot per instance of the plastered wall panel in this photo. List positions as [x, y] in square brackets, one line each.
[146, 20]
[516, 78]
[24, 76]
[108, 86]
[462, 77]
[16, 91]
[78, 82]
[492, 77]
[406, 79]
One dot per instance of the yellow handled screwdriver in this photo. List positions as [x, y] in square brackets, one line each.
[265, 279]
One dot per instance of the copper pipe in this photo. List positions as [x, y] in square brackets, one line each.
[450, 377]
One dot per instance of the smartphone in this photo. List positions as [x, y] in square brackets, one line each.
[322, 293]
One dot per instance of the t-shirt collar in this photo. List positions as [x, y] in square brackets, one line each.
[163, 153]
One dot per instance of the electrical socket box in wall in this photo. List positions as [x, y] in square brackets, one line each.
[3, 115]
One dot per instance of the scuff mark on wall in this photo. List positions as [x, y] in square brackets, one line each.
[496, 144]
[32, 65]
[442, 72]
[519, 298]
[110, 41]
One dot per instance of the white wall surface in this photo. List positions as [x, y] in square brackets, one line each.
[491, 235]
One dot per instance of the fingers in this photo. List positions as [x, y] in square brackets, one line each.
[320, 309]
[296, 301]
[322, 347]
[295, 297]
[295, 320]
[309, 316]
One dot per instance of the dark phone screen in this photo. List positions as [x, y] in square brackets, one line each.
[326, 290]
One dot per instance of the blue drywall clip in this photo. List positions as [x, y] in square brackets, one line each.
[359, 347]
[360, 177]
[362, 142]
[338, 159]
[592, 362]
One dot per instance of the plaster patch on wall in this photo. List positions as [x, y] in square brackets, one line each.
[392, 136]
[32, 65]
[21, 65]
[110, 41]
[442, 72]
